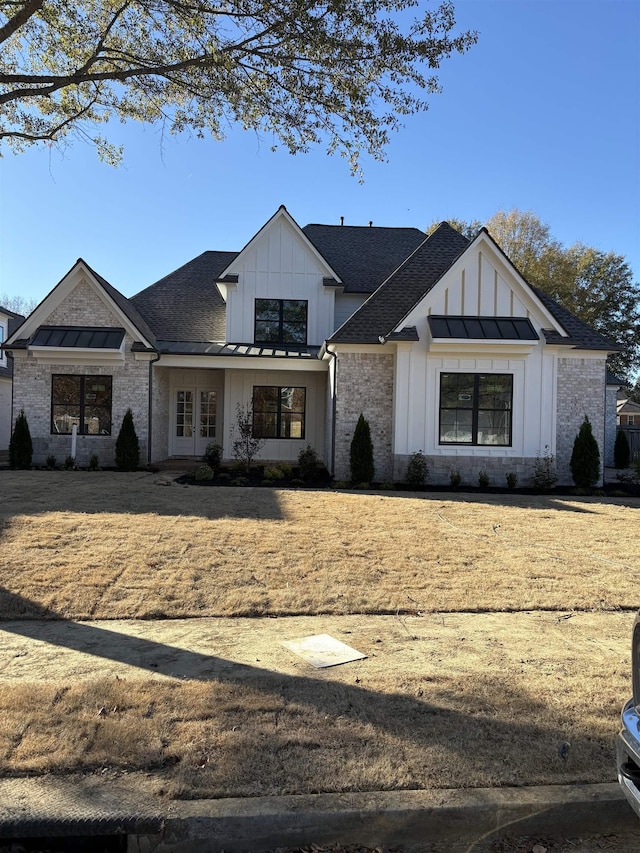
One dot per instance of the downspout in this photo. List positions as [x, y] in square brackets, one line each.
[333, 411]
[149, 413]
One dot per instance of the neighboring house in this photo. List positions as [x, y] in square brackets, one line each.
[438, 341]
[628, 411]
[9, 322]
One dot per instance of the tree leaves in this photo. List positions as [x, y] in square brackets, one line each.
[305, 71]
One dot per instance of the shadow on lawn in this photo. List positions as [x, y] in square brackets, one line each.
[466, 732]
[34, 492]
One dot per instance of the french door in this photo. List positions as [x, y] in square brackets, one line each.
[195, 420]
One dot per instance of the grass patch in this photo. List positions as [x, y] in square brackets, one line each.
[485, 696]
[122, 546]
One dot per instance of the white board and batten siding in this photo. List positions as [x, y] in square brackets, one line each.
[279, 264]
[238, 389]
[478, 284]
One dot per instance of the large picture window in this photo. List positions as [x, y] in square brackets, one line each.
[475, 408]
[278, 412]
[281, 321]
[83, 401]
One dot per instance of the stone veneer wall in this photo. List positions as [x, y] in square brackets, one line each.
[364, 385]
[32, 387]
[581, 391]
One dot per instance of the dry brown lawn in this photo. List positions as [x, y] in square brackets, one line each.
[479, 680]
[82, 545]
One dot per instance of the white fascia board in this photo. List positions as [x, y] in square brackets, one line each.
[313, 365]
[76, 355]
[281, 213]
[485, 345]
[482, 348]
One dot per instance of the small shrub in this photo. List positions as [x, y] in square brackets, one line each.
[296, 481]
[417, 470]
[544, 470]
[245, 446]
[361, 453]
[585, 457]
[483, 479]
[286, 469]
[51, 461]
[204, 473]
[454, 478]
[20, 444]
[621, 450]
[308, 464]
[224, 476]
[127, 445]
[213, 457]
[94, 462]
[239, 481]
[69, 463]
[273, 472]
[512, 479]
[387, 487]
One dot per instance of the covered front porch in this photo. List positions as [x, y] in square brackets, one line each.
[195, 405]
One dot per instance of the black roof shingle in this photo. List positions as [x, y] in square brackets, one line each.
[186, 305]
[392, 301]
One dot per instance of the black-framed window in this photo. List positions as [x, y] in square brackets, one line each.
[279, 412]
[281, 321]
[475, 408]
[81, 401]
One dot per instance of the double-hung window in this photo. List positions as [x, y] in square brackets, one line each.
[475, 408]
[281, 321]
[278, 412]
[81, 401]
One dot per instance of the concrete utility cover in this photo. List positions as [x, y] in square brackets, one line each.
[323, 650]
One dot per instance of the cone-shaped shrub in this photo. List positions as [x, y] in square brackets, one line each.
[20, 445]
[361, 453]
[127, 445]
[585, 459]
[621, 450]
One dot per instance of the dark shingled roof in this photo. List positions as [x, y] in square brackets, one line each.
[186, 305]
[363, 257]
[393, 300]
[580, 335]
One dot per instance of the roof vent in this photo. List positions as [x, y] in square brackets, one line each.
[370, 223]
[342, 220]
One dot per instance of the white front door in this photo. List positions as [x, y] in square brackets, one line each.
[195, 420]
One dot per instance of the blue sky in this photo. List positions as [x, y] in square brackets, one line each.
[543, 114]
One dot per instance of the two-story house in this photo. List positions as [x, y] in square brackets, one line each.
[438, 341]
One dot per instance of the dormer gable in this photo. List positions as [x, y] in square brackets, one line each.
[279, 288]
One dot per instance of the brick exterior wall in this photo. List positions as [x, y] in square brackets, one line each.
[365, 385]
[496, 468]
[580, 392]
[32, 387]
